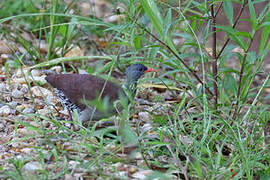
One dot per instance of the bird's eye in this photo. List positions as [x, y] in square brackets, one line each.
[140, 69]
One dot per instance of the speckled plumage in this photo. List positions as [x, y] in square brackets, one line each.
[66, 103]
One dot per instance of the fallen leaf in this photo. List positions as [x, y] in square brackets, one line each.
[149, 85]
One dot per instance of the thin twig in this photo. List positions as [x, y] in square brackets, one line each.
[234, 25]
[214, 56]
[218, 9]
[242, 73]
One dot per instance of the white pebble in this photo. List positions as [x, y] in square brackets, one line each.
[143, 174]
[17, 94]
[57, 69]
[144, 116]
[52, 100]
[27, 150]
[24, 89]
[28, 110]
[32, 167]
[35, 72]
[13, 103]
[20, 72]
[2, 127]
[6, 110]
[43, 112]
[40, 91]
[3, 87]
[39, 79]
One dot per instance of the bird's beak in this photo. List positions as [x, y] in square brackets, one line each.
[150, 70]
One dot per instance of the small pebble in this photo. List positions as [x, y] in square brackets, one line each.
[43, 112]
[28, 110]
[6, 110]
[27, 150]
[4, 56]
[57, 69]
[25, 132]
[52, 100]
[17, 94]
[40, 91]
[4, 48]
[20, 73]
[2, 127]
[144, 116]
[13, 103]
[21, 107]
[146, 127]
[35, 72]
[15, 144]
[32, 167]
[3, 87]
[69, 177]
[19, 80]
[143, 174]
[28, 61]
[73, 164]
[39, 79]
[24, 89]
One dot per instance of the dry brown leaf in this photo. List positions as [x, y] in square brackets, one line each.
[4, 48]
[75, 51]
[149, 85]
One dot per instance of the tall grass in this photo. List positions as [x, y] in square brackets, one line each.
[217, 128]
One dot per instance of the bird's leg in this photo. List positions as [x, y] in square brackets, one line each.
[69, 125]
[70, 116]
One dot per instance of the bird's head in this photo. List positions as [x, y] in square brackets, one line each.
[135, 71]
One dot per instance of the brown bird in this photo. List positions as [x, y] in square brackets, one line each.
[74, 89]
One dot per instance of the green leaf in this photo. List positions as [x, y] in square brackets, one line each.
[137, 42]
[233, 35]
[228, 9]
[239, 41]
[227, 29]
[265, 24]
[167, 24]
[128, 135]
[194, 24]
[265, 31]
[153, 13]
[229, 84]
[226, 70]
[198, 168]
[160, 119]
[244, 34]
[251, 57]
[62, 30]
[252, 13]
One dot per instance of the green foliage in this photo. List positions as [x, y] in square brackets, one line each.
[218, 142]
[17, 173]
[17, 7]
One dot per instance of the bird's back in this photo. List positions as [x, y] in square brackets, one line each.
[77, 87]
